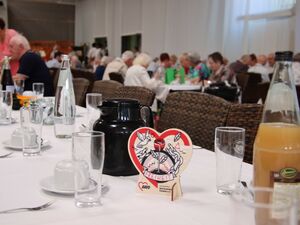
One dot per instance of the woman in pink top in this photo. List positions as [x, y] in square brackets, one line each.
[5, 36]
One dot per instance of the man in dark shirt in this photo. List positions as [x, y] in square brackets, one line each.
[32, 68]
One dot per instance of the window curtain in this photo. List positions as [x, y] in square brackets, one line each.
[258, 26]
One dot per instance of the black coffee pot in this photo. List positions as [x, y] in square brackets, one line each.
[119, 118]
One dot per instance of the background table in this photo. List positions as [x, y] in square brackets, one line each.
[200, 203]
[184, 87]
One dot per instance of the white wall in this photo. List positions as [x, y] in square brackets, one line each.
[297, 30]
[174, 26]
[177, 26]
[3, 11]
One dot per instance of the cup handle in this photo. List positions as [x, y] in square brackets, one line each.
[147, 116]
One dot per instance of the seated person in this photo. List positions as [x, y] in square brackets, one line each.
[137, 76]
[101, 68]
[119, 65]
[239, 66]
[216, 64]
[271, 62]
[260, 68]
[296, 68]
[253, 60]
[165, 72]
[198, 71]
[32, 68]
[56, 61]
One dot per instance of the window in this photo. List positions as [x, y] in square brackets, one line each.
[131, 42]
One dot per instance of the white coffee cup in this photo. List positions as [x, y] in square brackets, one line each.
[17, 136]
[64, 175]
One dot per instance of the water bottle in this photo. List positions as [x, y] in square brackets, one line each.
[64, 109]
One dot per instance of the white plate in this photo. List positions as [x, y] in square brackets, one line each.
[47, 184]
[9, 144]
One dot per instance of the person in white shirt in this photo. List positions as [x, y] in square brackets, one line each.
[271, 62]
[137, 75]
[260, 68]
[119, 65]
[56, 61]
[296, 68]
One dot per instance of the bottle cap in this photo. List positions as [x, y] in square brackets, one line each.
[284, 56]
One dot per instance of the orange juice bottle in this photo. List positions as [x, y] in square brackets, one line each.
[276, 156]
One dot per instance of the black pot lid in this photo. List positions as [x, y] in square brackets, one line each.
[118, 102]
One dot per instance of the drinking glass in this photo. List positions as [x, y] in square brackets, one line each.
[47, 103]
[31, 123]
[88, 158]
[6, 101]
[93, 100]
[229, 149]
[38, 90]
[263, 206]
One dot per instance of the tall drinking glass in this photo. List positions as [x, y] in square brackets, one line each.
[93, 100]
[38, 90]
[6, 101]
[263, 206]
[31, 123]
[229, 149]
[88, 158]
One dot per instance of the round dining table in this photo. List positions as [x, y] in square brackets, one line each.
[20, 186]
[184, 87]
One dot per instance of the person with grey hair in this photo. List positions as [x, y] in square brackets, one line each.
[198, 71]
[296, 68]
[32, 68]
[239, 66]
[260, 68]
[119, 65]
[137, 75]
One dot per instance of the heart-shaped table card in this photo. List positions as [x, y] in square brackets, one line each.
[160, 159]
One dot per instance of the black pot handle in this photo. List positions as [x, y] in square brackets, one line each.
[147, 116]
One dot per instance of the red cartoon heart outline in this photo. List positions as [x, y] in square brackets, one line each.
[158, 136]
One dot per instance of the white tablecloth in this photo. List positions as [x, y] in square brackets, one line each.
[184, 87]
[200, 204]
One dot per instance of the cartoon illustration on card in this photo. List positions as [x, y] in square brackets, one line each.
[160, 159]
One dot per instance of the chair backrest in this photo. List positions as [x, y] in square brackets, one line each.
[249, 85]
[298, 93]
[80, 89]
[142, 94]
[79, 73]
[198, 114]
[54, 72]
[263, 88]
[247, 116]
[106, 87]
[116, 77]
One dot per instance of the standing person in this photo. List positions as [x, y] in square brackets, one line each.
[32, 68]
[5, 36]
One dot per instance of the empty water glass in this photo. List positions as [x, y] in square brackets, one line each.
[31, 123]
[263, 206]
[93, 100]
[229, 149]
[38, 90]
[88, 159]
[6, 101]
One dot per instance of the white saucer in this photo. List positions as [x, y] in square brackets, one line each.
[47, 184]
[9, 144]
